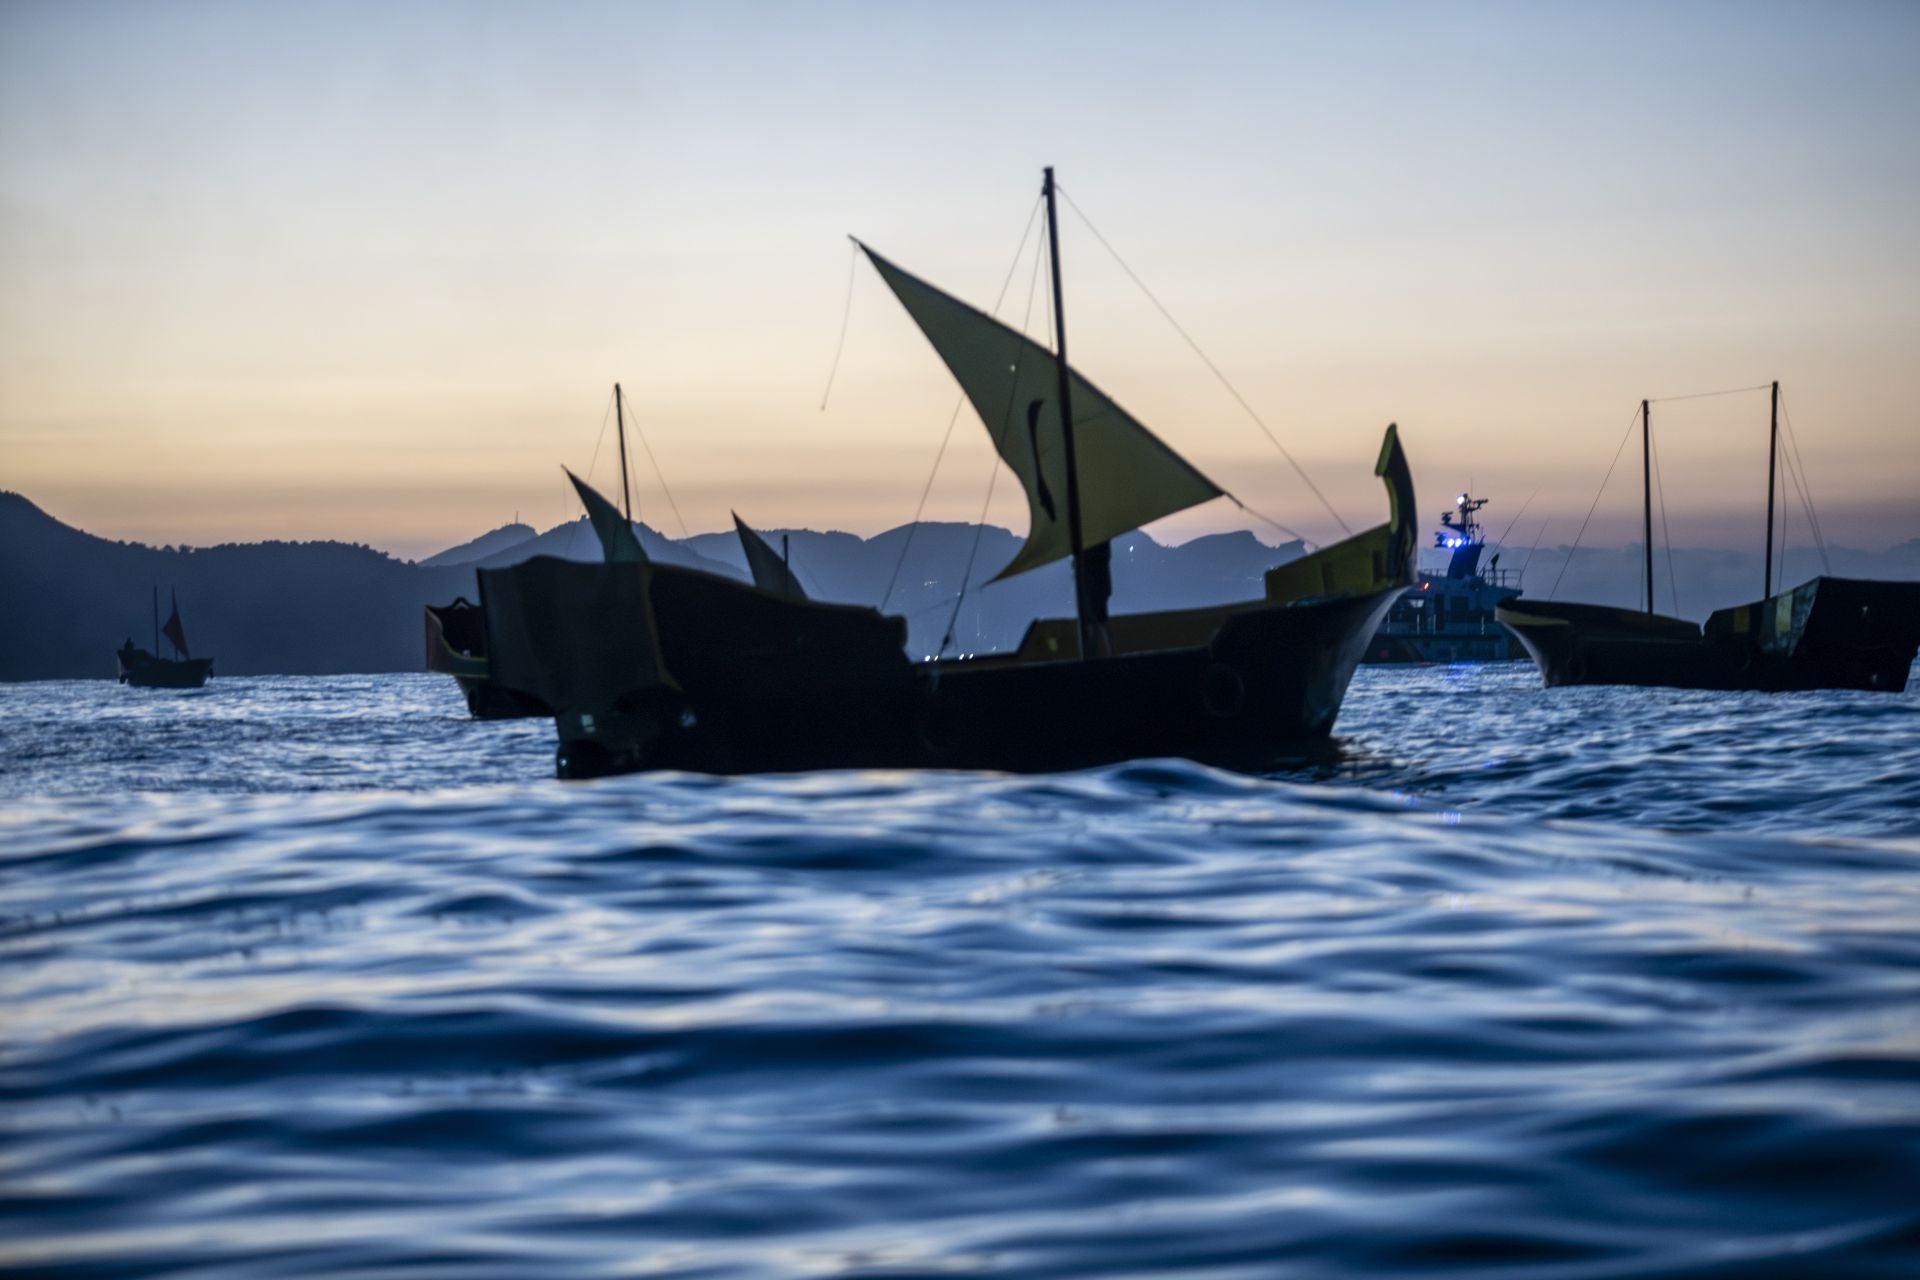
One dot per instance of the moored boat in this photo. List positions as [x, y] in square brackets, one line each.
[1826, 633]
[457, 646]
[146, 669]
[657, 666]
[1449, 616]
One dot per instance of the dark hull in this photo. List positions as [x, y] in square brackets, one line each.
[743, 681]
[1496, 646]
[1266, 686]
[655, 667]
[1830, 633]
[456, 646]
[143, 670]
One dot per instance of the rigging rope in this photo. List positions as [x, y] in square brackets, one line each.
[1805, 486]
[958, 404]
[993, 478]
[1702, 395]
[1537, 538]
[846, 314]
[660, 475]
[605, 415]
[572, 497]
[1796, 472]
[1666, 535]
[1214, 368]
[1596, 502]
[1788, 478]
[1297, 536]
[1502, 539]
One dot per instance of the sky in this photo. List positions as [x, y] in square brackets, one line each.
[368, 271]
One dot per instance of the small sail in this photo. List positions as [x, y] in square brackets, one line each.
[173, 631]
[771, 572]
[617, 542]
[1128, 477]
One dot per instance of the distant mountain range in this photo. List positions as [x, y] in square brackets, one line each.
[68, 598]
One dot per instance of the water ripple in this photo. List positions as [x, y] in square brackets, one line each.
[1553, 1000]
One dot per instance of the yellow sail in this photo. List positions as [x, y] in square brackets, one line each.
[1127, 476]
[617, 542]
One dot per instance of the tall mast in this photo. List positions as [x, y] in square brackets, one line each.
[1773, 454]
[156, 613]
[1090, 604]
[620, 420]
[1646, 497]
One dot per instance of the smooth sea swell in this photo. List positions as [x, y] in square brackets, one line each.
[1400, 1017]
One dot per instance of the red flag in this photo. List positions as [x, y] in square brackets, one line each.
[174, 631]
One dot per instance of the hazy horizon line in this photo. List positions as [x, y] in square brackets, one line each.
[401, 553]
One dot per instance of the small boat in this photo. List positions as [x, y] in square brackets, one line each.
[146, 669]
[457, 646]
[655, 666]
[1826, 633]
[1449, 617]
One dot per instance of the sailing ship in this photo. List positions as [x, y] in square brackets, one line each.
[146, 669]
[1448, 616]
[655, 666]
[1826, 633]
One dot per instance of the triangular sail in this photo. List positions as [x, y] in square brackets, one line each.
[771, 572]
[1127, 476]
[173, 631]
[617, 542]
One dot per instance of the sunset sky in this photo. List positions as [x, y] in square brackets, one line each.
[369, 271]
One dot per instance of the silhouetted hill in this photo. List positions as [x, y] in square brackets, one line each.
[320, 607]
[1146, 575]
[490, 543]
[67, 599]
[575, 540]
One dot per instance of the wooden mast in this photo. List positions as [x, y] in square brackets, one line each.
[620, 420]
[1646, 496]
[1090, 605]
[1773, 454]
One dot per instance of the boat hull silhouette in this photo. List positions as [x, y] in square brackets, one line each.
[143, 670]
[729, 678]
[652, 666]
[456, 646]
[1827, 633]
[1495, 645]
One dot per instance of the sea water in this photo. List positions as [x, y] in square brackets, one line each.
[306, 976]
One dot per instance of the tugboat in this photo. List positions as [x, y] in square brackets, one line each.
[1448, 617]
[146, 669]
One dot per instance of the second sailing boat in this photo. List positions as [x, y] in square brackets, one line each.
[1826, 633]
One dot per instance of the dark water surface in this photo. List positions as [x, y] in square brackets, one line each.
[315, 977]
